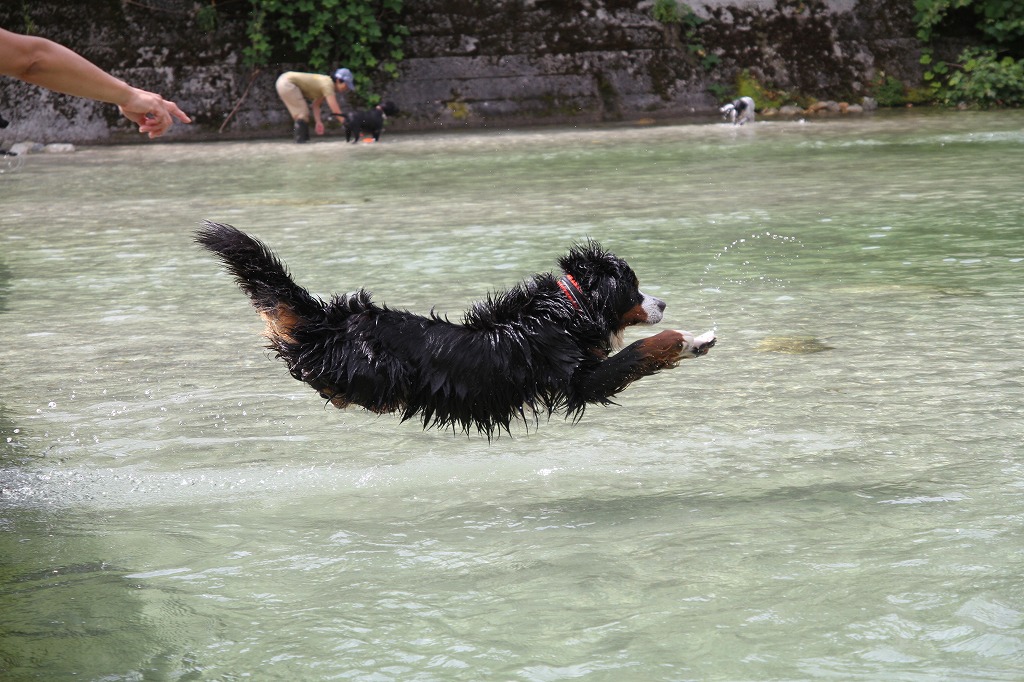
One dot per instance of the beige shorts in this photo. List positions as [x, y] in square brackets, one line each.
[293, 98]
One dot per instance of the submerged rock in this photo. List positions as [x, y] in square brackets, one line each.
[27, 147]
[792, 345]
[30, 147]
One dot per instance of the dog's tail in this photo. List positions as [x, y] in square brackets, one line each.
[282, 303]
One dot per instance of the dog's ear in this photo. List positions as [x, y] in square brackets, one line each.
[590, 264]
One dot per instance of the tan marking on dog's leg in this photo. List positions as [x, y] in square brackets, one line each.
[333, 397]
[664, 349]
[281, 321]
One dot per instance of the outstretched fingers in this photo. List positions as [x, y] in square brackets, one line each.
[152, 113]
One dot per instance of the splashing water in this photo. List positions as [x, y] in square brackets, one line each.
[10, 162]
[749, 264]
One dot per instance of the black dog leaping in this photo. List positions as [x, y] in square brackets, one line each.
[541, 346]
[370, 121]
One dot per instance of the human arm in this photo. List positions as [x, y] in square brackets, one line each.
[48, 64]
[332, 104]
[317, 103]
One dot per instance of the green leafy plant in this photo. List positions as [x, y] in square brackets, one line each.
[670, 13]
[720, 92]
[748, 86]
[362, 35]
[691, 24]
[1000, 22]
[667, 12]
[206, 17]
[981, 78]
[988, 74]
[888, 91]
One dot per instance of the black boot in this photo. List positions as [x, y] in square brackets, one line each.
[301, 131]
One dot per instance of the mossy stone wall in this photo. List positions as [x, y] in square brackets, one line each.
[472, 62]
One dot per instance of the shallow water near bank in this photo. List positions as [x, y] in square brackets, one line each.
[834, 492]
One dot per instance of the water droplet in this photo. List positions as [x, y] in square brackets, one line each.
[764, 256]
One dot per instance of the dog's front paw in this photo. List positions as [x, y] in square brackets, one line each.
[697, 345]
[666, 349]
[661, 351]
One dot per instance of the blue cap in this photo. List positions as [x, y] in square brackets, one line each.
[345, 76]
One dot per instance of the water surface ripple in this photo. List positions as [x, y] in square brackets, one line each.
[835, 492]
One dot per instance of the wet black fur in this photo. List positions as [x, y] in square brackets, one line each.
[369, 121]
[520, 353]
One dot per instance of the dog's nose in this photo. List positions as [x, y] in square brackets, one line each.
[653, 309]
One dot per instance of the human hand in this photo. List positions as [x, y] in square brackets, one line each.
[152, 113]
[319, 127]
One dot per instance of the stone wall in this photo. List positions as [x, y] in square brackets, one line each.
[474, 62]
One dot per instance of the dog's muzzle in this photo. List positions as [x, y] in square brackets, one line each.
[654, 308]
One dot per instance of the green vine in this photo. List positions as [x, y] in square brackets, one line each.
[206, 17]
[666, 12]
[30, 27]
[670, 13]
[362, 35]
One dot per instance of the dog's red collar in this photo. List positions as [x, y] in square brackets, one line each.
[571, 290]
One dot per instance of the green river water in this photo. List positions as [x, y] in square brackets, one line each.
[835, 492]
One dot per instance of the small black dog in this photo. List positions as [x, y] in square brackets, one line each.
[543, 345]
[371, 121]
